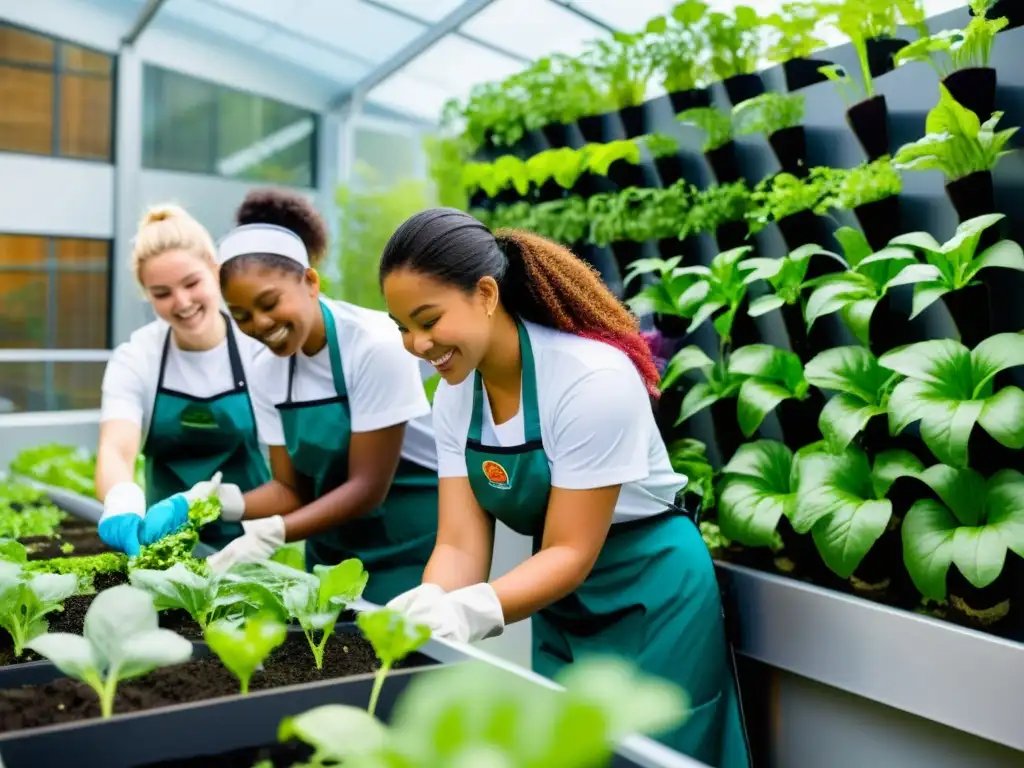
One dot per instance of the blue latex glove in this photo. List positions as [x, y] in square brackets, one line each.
[123, 509]
[164, 518]
[170, 515]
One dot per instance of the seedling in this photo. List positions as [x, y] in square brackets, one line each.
[393, 638]
[121, 641]
[317, 602]
[179, 587]
[178, 546]
[243, 649]
[26, 599]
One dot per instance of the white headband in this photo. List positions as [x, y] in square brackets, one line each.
[262, 238]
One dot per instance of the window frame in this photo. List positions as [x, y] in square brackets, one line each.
[212, 159]
[57, 69]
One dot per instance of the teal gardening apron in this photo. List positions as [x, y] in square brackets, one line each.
[192, 438]
[394, 541]
[651, 597]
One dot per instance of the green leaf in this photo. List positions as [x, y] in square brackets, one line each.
[243, 649]
[961, 490]
[926, 294]
[1006, 254]
[927, 533]
[341, 584]
[765, 304]
[928, 361]
[757, 398]
[685, 360]
[853, 370]
[831, 297]
[756, 491]
[1003, 417]
[913, 274]
[13, 551]
[391, 635]
[890, 466]
[71, 654]
[697, 398]
[993, 355]
[336, 732]
[855, 245]
[843, 418]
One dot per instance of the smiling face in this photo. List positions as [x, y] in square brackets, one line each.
[274, 306]
[440, 323]
[182, 288]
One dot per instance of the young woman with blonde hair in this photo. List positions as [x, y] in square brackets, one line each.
[178, 392]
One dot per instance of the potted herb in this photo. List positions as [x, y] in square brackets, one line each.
[719, 149]
[1011, 10]
[568, 93]
[689, 457]
[964, 149]
[871, 191]
[795, 25]
[719, 210]
[963, 543]
[622, 67]
[677, 56]
[951, 273]
[961, 60]
[736, 43]
[778, 116]
[790, 202]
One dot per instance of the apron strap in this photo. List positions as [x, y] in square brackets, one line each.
[163, 361]
[528, 385]
[333, 350]
[237, 370]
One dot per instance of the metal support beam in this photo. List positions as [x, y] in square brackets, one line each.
[146, 15]
[571, 7]
[389, 66]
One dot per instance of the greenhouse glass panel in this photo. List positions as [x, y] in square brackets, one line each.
[532, 28]
[428, 10]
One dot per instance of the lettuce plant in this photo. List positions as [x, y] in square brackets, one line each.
[177, 547]
[861, 388]
[757, 489]
[316, 603]
[735, 41]
[26, 599]
[955, 264]
[956, 142]
[841, 501]
[179, 587]
[971, 524]
[393, 638]
[785, 276]
[949, 389]
[689, 457]
[121, 641]
[768, 113]
[243, 648]
[849, 188]
[716, 125]
[27, 511]
[856, 292]
[952, 50]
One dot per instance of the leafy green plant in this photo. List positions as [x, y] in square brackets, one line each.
[26, 598]
[203, 597]
[846, 189]
[63, 466]
[564, 221]
[756, 490]
[949, 51]
[956, 142]
[794, 26]
[786, 276]
[717, 205]
[716, 124]
[856, 293]
[27, 511]
[339, 735]
[768, 113]
[735, 41]
[676, 51]
[862, 389]
[659, 144]
[955, 264]
[243, 649]
[949, 389]
[317, 603]
[972, 525]
[841, 502]
[445, 157]
[393, 638]
[623, 65]
[121, 641]
[85, 567]
[783, 195]
[177, 547]
[689, 458]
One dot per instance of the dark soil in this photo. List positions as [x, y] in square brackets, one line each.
[81, 534]
[71, 619]
[68, 700]
[278, 755]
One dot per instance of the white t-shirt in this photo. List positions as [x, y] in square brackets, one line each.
[596, 424]
[130, 379]
[384, 382]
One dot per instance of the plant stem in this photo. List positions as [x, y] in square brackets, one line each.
[107, 696]
[245, 685]
[378, 683]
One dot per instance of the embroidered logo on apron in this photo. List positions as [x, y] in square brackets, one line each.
[198, 417]
[496, 475]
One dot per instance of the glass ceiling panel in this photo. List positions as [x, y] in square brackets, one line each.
[532, 28]
[410, 96]
[428, 10]
[627, 16]
[457, 64]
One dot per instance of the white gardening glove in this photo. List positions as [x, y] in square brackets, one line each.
[232, 505]
[466, 615]
[417, 602]
[124, 508]
[261, 539]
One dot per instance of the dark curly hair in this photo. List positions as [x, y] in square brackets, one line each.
[540, 281]
[283, 208]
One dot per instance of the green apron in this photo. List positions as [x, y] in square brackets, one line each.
[651, 597]
[394, 541]
[192, 438]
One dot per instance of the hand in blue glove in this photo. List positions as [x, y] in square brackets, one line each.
[124, 508]
[170, 515]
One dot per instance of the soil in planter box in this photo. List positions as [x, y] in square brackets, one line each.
[278, 755]
[71, 619]
[80, 534]
[68, 700]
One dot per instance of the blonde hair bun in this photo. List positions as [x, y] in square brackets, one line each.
[169, 227]
[163, 212]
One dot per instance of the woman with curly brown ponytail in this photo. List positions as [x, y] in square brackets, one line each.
[340, 404]
[543, 421]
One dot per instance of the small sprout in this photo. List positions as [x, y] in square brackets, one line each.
[243, 649]
[317, 602]
[393, 638]
[26, 599]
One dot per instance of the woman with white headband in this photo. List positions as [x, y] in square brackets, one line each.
[178, 391]
[340, 403]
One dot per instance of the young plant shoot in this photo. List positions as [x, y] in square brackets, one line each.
[393, 638]
[179, 587]
[317, 603]
[243, 648]
[26, 599]
[121, 641]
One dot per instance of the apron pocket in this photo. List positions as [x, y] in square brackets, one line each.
[700, 736]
